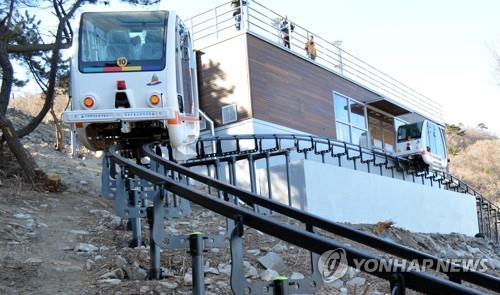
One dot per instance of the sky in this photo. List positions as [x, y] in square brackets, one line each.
[444, 49]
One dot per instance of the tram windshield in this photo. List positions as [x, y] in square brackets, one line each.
[135, 40]
[412, 131]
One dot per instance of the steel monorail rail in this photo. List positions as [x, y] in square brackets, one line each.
[252, 199]
[422, 282]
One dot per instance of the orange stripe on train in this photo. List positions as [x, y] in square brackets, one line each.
[178, 118]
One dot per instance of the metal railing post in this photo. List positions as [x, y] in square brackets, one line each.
[216, 24]
[288, 185]
[136, 221]
[212, 127]
[154, 250]
[246, 16]
[73, 142]
[196, 250]
[192, 31]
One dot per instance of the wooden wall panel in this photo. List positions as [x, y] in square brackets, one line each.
[223, 78]
[290, 91]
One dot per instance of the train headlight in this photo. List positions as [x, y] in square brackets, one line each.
[88, 102]
[154, 99]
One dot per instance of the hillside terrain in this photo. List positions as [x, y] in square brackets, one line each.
[475, 158]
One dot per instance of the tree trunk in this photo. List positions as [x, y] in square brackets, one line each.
[7, 77]
[28, 165]
[30, 169]
[59, 136]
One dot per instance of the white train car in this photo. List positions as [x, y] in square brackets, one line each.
[424, 144]
[133, 80]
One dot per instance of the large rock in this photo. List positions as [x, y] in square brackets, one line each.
[114, 274]
[100, 212]
[79, 232]
[493, 263]
[224, 269]
[268, 275]
[253, 252]
[169, 285]
[188, 279]
[296, 276]
[356, 282]
[279, 248]
[272, 261]
[135, 272]
[111, 282]
[84, 247]
[337, 284]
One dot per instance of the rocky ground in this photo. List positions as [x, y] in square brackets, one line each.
[72, 243]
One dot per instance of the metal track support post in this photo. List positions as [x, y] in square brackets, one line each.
[397, 284]
[281, 286]
[196, 251]
[253, 180]
[287, 171]
[135, 222]
[154, 250]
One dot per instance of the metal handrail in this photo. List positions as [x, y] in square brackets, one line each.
[488, 227]
[292, 234]
[258, 20]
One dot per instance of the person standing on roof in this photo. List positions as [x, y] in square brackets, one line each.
[235, 7]
[286, 28]
[310, 48]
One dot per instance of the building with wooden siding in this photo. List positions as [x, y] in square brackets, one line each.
[249, 82]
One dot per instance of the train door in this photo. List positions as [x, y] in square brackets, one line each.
[435, 146]
[186, 73]
[185, 128]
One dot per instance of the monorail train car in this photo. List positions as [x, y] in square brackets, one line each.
[424, 144]
[133, 80]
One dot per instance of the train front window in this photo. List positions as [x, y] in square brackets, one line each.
[108, 37]
[410, 131]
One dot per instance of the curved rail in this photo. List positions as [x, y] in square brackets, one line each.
[324, 148]
[252, 199]
[160, 176]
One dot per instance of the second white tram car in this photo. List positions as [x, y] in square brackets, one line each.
[424, 144]
[133, 79]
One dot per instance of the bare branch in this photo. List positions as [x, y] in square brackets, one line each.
[49, 98]
[35, 47]
[6, 20]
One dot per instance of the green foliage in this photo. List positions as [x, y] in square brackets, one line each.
[454, 129]
[453, 150]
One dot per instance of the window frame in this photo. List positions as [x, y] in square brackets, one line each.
[382, 130]
[82, 65]
[350, 124]
[235, 112]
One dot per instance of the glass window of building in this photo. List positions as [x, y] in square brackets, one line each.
[350, 120]
[357, 112]
[343, 133]
[382, 131]
[359, 136]
[388, 133]
[340, 108]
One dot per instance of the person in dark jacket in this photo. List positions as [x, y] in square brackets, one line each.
[285, 29]
[235, 7]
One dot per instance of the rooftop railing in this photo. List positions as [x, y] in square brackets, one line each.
[225, 20]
